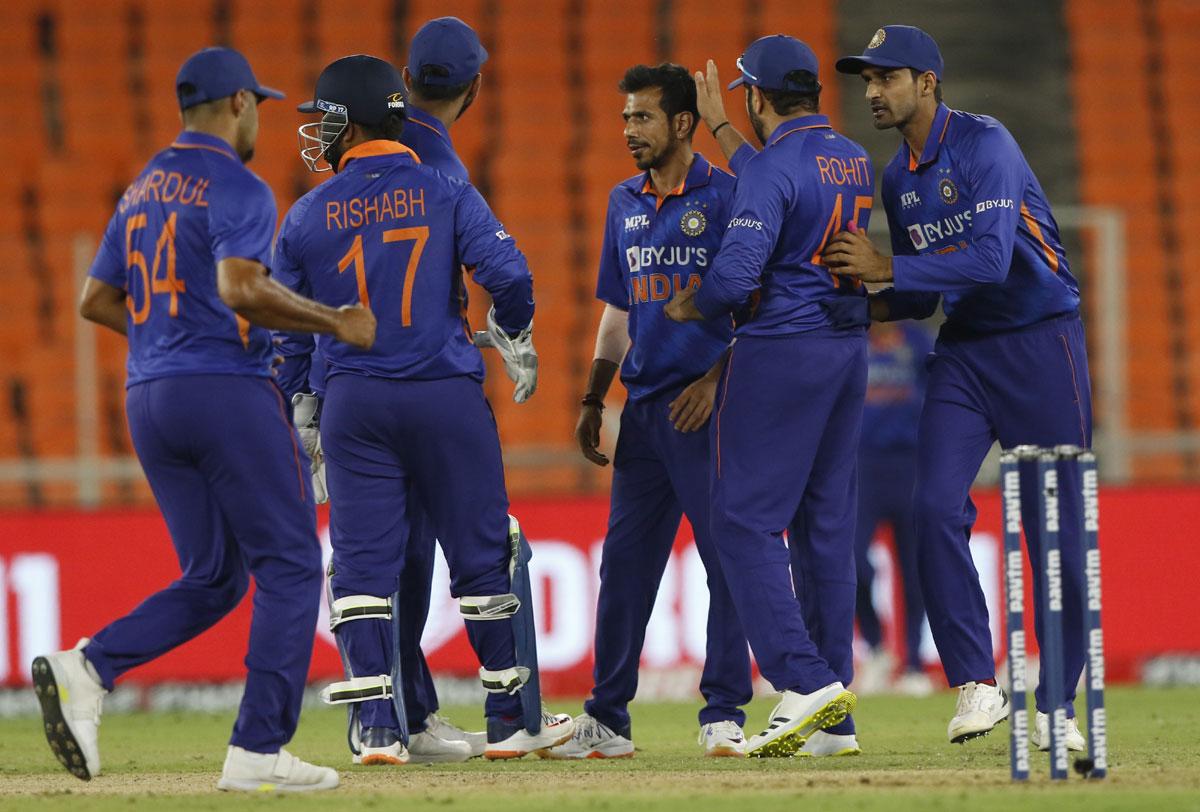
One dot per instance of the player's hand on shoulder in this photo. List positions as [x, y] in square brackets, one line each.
[709, 101]
[356, 326]
[691, 410]
[587, 434]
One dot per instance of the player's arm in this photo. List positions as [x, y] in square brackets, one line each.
[759, 202]
[691, 409]
[612, 342]
[296, 348]
[105, 305]
[712, 111]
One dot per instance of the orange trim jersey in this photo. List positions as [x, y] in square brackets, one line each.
[970, 223]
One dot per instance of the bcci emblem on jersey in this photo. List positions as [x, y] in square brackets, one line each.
[947, 191]
[693, 222]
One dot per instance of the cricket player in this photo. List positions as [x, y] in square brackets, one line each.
[789, 407]
[408, 420]
[887, 464]
[442, 80]
[662, 230]
[182, 271]
[970, 226]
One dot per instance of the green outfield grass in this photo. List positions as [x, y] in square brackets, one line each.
[172, 761]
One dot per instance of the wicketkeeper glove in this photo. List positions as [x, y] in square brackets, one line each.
[306, 412]
[520, 358]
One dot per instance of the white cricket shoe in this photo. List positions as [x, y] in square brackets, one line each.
[914, 683]
[511, 740]
[980, 708]
[1040, 735]
[798, 716]
[273, 772]
[71, 698]
[428, 748]
[591, 738]
[381, 746]
[823, 743]
[874, 674]
[723, 739]
[444, 729]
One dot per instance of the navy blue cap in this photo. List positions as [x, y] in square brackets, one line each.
[364, 88]
[768, 61]
[216, 73]
[450, 47]
[897, 46]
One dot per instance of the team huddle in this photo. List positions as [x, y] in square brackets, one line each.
[334, 361]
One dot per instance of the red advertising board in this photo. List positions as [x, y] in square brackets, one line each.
[64, 574]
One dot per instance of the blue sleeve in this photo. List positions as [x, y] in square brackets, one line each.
[500, 268]
[241, 221]
[737, 161]
[756, 216]
[109, 264]
[611, 287]
[287, 267]
[995, 171]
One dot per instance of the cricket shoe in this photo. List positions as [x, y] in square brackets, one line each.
[723, 740]
[272, 772]
[511, 740]
[1040, 735]
[443, 728]
[822, 744]
[380, 746]
[592, 739]
[980, 708]
[798, 716]
[428, 748]
[71, 697]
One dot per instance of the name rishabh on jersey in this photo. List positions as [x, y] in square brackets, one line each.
[806, 184]
[193, 205]
[972, 199]
[390, 233]
[653, 249]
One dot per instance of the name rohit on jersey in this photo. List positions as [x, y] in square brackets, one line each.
[165, 187]
[398, 204]
[835, 171]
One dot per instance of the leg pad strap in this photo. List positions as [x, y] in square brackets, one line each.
[489, 607]
[359, 607]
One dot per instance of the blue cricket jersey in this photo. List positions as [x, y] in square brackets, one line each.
[193, 205]
[969, 221]
[896, 377]
[652, 249]
[807, 184]
[391, 233]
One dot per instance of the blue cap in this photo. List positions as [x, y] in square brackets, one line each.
[216, 73]
[897, 46]
[446, 52]
[769, 60]
[364, 88]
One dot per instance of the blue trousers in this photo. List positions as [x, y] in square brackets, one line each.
[231, 478]
[885, 493]
[387, 441]
[1030, 386]
[660, 474]
[416, 586]
[785, 445]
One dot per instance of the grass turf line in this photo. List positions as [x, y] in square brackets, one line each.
[153, 761]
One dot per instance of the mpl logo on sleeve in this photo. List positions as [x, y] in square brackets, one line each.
[637, 222]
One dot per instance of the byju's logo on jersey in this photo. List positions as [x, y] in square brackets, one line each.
[637, 222]
[693, 222]
[646, 258]
[918, 237]
[909, 199]
[924, 235]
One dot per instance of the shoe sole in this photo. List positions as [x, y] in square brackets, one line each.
[234, 785]
[788, 744]
[449, 758]
[849, 751]
[58, 733]
[724, 752]
[549, 756]
[504, 755]
[963, 738]
[382, 759]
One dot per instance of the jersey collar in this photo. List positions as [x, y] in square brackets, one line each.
[937, 134]
[697, 175]
[189, 139]
[373, 149]
[420, 118]
[795, 125]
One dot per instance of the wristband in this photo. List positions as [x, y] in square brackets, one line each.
[718, 127]
[592, 399]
